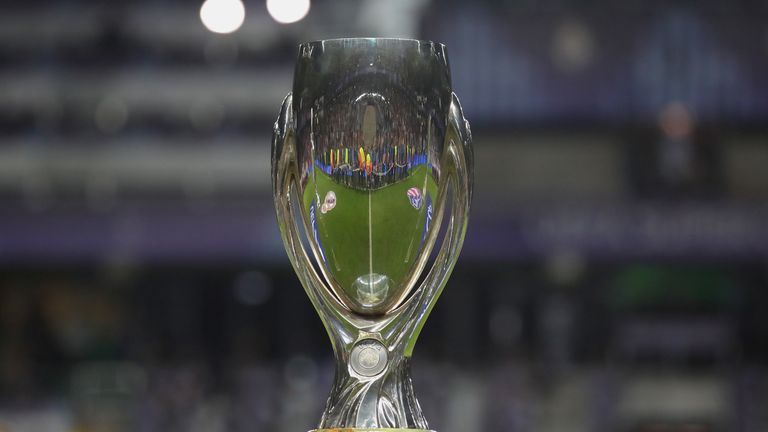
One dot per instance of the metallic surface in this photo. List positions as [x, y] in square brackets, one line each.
[365, 151]
[369, 430]
[368, 358]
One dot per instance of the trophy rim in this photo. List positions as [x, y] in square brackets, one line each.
[371, 39]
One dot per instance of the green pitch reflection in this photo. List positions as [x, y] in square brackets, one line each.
[348, 221]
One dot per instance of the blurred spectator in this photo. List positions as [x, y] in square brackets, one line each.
[678, 160]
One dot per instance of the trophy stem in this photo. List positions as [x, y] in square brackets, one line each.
[371, 430]
[385, 401]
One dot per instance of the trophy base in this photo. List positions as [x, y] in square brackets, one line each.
[371, 430]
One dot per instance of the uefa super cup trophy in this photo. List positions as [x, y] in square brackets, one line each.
[366, 150]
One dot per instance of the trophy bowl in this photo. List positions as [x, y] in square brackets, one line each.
[367, 147]
[370, 124]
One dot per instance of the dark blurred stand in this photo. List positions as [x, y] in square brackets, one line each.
[613, 277]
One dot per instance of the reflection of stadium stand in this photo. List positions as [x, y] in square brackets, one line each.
[378, 168]
[376, 137]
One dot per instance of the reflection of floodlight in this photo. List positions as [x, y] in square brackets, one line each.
[222, 16]
[288, 11]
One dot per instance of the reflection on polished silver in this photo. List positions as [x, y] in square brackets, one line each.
[368, 146]
[368, 358]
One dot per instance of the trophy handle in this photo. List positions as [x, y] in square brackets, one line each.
[335, 316]
[411, 316]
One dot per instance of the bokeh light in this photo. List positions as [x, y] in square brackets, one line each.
[222, 16]
[573, 46]
[288, 11]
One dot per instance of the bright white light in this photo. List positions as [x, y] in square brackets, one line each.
[222, 16]
[288, 11]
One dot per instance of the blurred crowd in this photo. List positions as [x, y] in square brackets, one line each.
[614, 269]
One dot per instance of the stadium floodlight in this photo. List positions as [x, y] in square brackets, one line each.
[288, 11]
[222, 16]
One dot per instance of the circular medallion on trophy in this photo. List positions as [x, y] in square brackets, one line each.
[368, 358]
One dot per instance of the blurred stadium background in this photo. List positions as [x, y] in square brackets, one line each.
[614, 273]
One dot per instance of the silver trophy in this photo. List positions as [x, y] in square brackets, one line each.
[365, 152]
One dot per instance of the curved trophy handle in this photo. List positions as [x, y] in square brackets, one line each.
[336, 318]
[412, 315]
